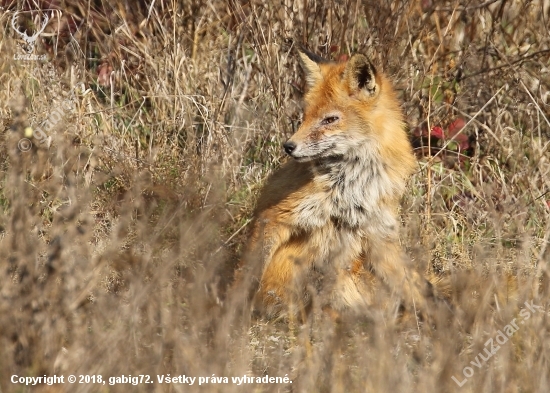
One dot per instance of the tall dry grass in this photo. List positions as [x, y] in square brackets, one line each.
[120, 230]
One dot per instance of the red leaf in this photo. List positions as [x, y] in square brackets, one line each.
[456, 126]
[437, 132]
[342, 58]
[463, 141]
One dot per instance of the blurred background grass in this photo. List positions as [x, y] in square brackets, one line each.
[120, 231]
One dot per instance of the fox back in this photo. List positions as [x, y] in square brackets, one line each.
[326, 224]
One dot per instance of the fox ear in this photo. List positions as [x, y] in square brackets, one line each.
[361, 75]
[310, 64]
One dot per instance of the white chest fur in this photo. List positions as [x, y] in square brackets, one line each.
[348, 194]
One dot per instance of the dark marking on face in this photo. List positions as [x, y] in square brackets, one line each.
[315, 136]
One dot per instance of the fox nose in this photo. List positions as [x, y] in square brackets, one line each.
[289, 147]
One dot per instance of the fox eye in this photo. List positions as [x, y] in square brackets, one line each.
[329, 120]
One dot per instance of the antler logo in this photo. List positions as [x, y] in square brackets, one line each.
[29, 40]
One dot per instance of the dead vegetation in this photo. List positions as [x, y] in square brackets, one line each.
[120, 227]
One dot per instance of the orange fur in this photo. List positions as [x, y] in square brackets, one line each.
[326, 224]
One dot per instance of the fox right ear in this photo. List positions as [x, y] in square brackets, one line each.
[361, 76]
[310, 64]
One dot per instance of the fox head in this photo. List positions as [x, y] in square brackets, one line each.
[348, 106]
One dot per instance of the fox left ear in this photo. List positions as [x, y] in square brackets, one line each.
[361, 75]
[311, 66]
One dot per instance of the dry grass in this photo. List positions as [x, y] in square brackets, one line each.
[119, 233]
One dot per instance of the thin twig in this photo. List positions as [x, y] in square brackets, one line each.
[462, 8]
[508, 64]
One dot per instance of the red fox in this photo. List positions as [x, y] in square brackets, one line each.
[326, 223]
